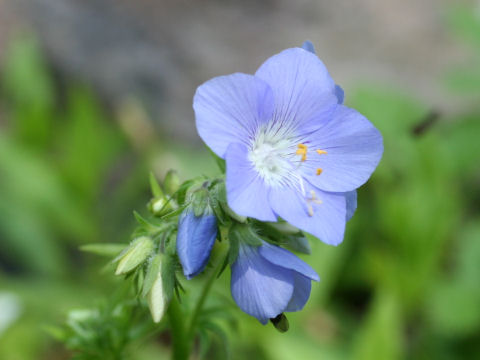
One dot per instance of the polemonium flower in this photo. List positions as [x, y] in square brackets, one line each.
[195, 238]
[268, 280]
[292, 149]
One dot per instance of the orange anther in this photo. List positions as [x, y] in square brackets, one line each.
[302, 150]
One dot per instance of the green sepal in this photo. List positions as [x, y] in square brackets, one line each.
[249, 235]
[152, 273]
[173, 213]
[219, 161]
[186, 188]
[299, 244]
[200, 201]
[217, 197]
[104, 249]
[282, 233]
[241, 233]
[280, 323]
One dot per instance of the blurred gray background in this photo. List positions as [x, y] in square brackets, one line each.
[165, 49]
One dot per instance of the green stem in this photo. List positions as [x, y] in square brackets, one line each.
[206, 289]
[181, 342]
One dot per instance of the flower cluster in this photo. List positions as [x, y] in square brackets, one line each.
[293, 155]
[293, 151]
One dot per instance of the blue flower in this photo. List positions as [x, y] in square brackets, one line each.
[195, 238]
[292, 149]
[268, 280]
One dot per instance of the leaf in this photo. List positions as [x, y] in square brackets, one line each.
[141, 220]
[222, 336]
[155, 186]
[381, 334]
[104, 249]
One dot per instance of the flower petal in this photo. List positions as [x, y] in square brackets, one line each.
[260, 288]
[351, 198]
[340, 94]
[247, 193]
[303, 90]
[195, 239]
[326, 221]
[308, 45]
[354, 148]
[284, 258]
[301, 293]
[230, 108]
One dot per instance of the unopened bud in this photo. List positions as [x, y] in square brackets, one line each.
[156, 299]
[171, 183]
[280, 322]
[134, 255]
[160, 206]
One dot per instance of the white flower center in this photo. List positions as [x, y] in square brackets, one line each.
[273, 154]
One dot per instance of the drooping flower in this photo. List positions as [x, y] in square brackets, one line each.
[268, 280]
[292, 149]
[195, 238]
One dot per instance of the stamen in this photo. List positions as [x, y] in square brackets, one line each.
[313, 199]
[319, 171]
[320, 152]
[310, 209]
[302, 150]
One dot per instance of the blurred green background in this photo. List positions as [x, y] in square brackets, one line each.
[403, 285]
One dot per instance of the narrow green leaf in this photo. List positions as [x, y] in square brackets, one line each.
[104, 249]
[155, 186]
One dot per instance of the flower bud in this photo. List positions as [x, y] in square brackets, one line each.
[157, 300]
[160, 206]
[172, 182]
[280, 323]
[195, 238]
[135, 254]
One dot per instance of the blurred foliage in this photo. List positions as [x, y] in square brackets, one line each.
[403, 285]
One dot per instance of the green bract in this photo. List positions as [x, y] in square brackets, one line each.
[134, 255]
